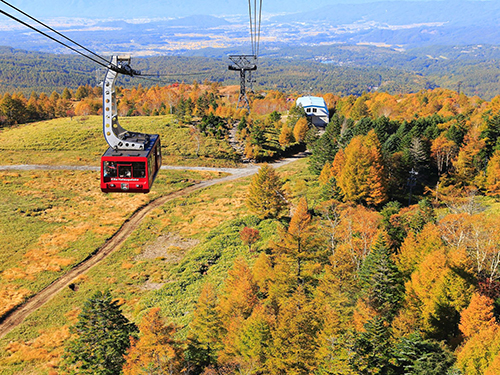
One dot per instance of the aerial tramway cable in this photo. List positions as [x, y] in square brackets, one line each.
[255, 17]
[103, 61]
[258, 32]
[52, 38]
[55, 31]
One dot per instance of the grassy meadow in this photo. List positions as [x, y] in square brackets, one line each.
[79, 141]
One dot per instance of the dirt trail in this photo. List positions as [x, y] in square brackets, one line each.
[17, 315]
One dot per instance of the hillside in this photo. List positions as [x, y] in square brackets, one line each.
[384, 238]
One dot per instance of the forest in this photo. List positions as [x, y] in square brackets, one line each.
[376, 254]
[339, 69]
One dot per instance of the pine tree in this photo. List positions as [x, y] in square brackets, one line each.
[381, 280]
[325, 148]
[372, 352]
[266, 196]
[102, 337]
[418, 356]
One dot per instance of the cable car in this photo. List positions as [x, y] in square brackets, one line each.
[128, 171]
[132, 161]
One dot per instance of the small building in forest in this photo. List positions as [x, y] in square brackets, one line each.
[316, 109]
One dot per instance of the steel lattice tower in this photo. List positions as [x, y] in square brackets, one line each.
[245, 64]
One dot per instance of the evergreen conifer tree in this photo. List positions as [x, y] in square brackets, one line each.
[381, 280]
[102, 337]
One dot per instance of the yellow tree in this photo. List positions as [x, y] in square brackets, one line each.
[299, 246]
[286, 136]
[294, 343]
[468, 163]
[236, 304]
[266, 196]
[157, 350]
[479, 351]
[439, 289]
[300, 129]
[203, 339]
[493, 174]
[361, 172]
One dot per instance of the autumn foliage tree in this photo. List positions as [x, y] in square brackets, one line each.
[360, 171]
[299, 246]
[477, 316]
[266, 197]
[156, 350]
[249, 236]
[493, 174]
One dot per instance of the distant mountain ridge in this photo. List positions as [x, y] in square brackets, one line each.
[452, 13]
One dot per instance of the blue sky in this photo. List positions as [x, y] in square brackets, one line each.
[164, 8]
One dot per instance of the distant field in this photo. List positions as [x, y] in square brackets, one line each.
[79, 141]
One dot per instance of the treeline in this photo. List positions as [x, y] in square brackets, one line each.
[344, 70]
[17, 109]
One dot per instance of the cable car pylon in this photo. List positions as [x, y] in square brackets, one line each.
[246, 64]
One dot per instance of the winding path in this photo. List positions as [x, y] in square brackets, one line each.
[17, 315]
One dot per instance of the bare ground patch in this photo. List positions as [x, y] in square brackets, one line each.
[170, 247]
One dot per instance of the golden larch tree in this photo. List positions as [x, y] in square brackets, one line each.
[266, 197]
[157, 350]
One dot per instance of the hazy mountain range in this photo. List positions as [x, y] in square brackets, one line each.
[148, 28]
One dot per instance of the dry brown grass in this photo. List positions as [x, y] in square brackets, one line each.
[11, 295]
[80, 218]
[47, 348]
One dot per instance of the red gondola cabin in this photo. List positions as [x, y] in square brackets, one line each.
[131, 171]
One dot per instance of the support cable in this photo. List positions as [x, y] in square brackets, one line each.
[255, 26]
[251, 32]
[258, 33]
[52, 38]
[104, 62]
[55, 31]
